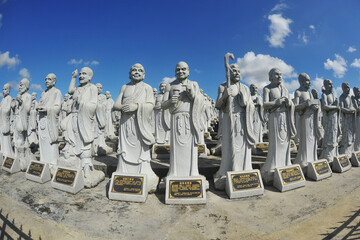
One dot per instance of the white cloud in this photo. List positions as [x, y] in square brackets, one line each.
[303, 37]
[255, 69]
[318, 84]
[339, 66]
[95, 62]
[6, 60]
[14, 85]
[168, 79]
[356, 63]
[75, 62]
[1, 16]
[24, 73]
[197, 71]
[279, 7]
[312, 27]
[351, 49]
[36, 87]
[279, 30]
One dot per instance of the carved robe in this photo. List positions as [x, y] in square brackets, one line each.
[5, 112]
[135, 133]
[162, 121]
[109, 127]
[356, 103]
[281, 129]
[258, 118]
[237, 130]
[49, 125]
[33, 124]
[186, 131]
[347, 126]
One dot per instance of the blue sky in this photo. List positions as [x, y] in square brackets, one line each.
[320, 38]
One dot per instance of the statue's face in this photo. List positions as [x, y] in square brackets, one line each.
[276, 77]
[356, 92]
[22, 86]
[99, 87]
[346, 88]
[6, 90]
[107, 94]
[253, 89]
[49, 81]
[315, 94]
[155, 91]
[66, 97]
[182, 71]
[305, 83]
[137, 73]
[33, 96]
[235, 73]
[328, 86]
[162, 88]
[84, 77]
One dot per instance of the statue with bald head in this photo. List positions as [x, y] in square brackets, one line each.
[78, 127]
[33, 122]
[99, 144]
[162, 118]
[356, 104]
[258, 119]
[49, 109]
[348, 114]
[5, 113]
[308, 109]
[330, 109]
[136, 103]
[281, 125]
[21, 108]
[186, 105]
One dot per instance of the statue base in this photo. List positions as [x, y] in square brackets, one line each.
[241, 184]
[319, 170]
[185, 190]
[355, 159]
[68, 180]
[288, 178]
[11, 165]
[160, 151]
[128, 187]
[38, 172]
[341, 164]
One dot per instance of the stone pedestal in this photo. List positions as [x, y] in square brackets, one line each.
[341, 164]
[293, 146]
[288, 178]
[244, 184]
[128, 187]
[68, 180]
[319, 170]
[355, 159]
[38, 172]
[160, 151]
[203, 151]
[11, 165]
[185, 190]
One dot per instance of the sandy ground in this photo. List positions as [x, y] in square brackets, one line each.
[324, 209]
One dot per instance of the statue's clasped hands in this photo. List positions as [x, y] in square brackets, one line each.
[129, 107]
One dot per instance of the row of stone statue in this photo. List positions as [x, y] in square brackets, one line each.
[182, 115]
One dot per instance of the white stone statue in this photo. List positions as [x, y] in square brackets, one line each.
[234, 100]
[162, 118]
[281, 125]
[49, 109]
[348, 112]
[356, 104]
[109, 126]
[5, 112]
[309, 130]
[185, 102]
[21, 107]
[79, 125]
[100, 146]
[258, 118]
[33, 122]
[136, 103]
[65, 106]
[330, 109]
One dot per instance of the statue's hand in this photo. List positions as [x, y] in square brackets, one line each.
[129, 107]
[315, 107]
[41, 109]
[75, 73]
[18, 98]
